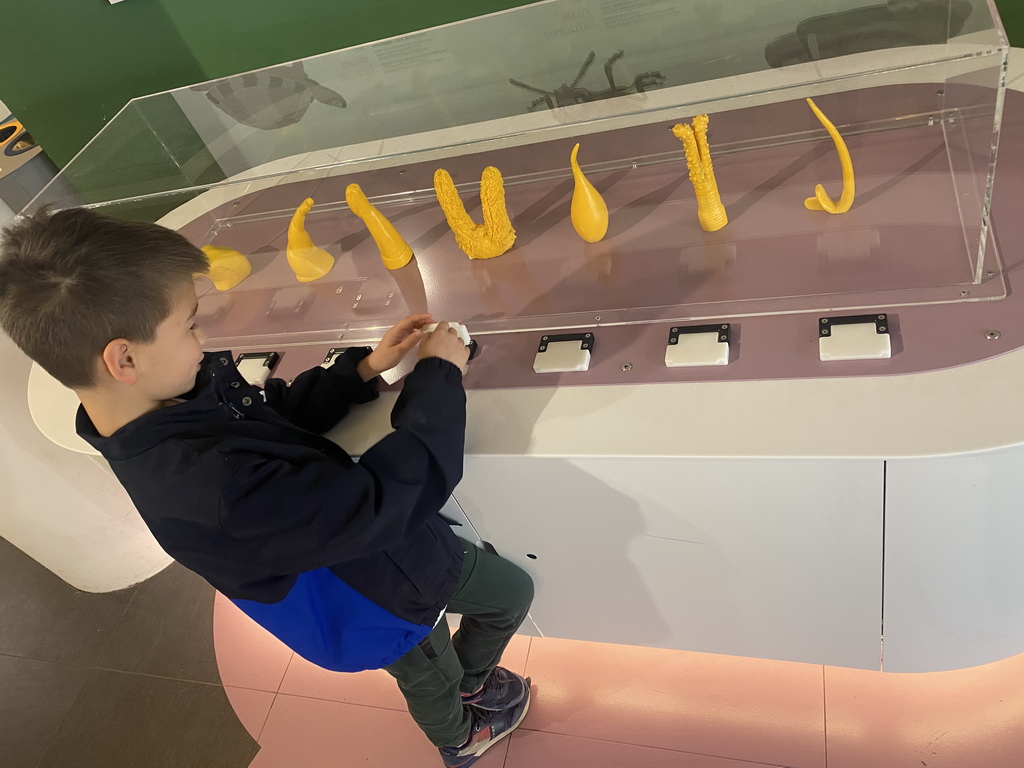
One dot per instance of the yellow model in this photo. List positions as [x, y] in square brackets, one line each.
[394, 251]
[821, 201]
[710, 211]
[479, 241]
[589, 212]
[306, 260]
[228, 267]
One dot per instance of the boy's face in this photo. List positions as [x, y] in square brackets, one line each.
[171, 361]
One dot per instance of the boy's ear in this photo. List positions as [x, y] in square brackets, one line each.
[119, 361]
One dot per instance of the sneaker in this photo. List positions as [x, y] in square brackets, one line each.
[488, 729]
[502, 689]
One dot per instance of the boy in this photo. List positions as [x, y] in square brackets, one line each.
[347, 563]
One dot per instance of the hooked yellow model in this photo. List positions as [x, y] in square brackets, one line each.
[821, 201]
[479, 241]
[306, 260]
[588, 211]
[394, 251]
[710, 211]
[228, 267]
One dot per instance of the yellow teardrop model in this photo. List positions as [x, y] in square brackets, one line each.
[479, 241]
[821, 201]
[588, 211]
[306, 260]
[394, 251]
[710, 211]
[228, 267]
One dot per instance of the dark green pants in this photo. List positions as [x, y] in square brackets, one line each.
[493, 597]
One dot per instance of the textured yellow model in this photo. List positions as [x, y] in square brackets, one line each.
[821, 201]
[306, 260]
[588, 211]
[394, 251]
[479, 241]
[228, 267]
[710, 211]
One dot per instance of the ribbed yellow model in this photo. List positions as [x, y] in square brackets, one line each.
[308, 262]
[228, 267]
[394, 251]
[710, 211]
[588, 211]
[479, 241]
[821, 201]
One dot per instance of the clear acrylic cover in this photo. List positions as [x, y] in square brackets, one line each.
[915, 87]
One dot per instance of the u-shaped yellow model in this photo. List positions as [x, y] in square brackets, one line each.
[821, 201]
[479, 241]
[306, 260]
[228, 267]
[394, 251]
[588, 211]
[710, 211]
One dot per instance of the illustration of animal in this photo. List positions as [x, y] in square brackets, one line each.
[271, 98]
[568, 94]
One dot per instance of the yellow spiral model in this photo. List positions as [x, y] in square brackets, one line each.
[821, 201]
[228, 267]
[710, 211]
[394, 251]
[479, 241]
[589, 212]
[306, 260]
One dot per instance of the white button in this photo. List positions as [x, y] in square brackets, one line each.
[697, 349]
[562, 357]
[854, 341]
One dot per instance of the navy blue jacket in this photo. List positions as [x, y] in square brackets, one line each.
[349, 563]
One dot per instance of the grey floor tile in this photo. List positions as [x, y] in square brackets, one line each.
[35, 697]
[124, 720]
[42, 617]
[167, 630]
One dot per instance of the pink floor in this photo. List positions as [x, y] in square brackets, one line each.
[606, 706]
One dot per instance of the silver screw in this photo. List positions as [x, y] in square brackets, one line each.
[597, 318]
[963, 293]
[992, 335]
[990, 272]
[627, 366]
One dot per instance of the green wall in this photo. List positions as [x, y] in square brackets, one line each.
[72, 64]
[77, 62]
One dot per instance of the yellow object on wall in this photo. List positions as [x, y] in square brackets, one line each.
[710, 211]
[394, 251]
[479, 241]
[306, 260]
[588, 211]
[821, 201]
[228, 267]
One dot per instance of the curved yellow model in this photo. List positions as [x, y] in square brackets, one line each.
[394, 251]
[479, 241]
[710, 211]
[588, 211]
[306, 260]
[821, 201]
[228, 267]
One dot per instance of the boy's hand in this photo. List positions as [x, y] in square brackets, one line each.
[445, 343]
[395, 345]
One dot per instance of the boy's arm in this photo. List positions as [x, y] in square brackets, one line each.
[308, 511]
[319, 398]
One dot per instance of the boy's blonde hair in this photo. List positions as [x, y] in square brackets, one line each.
[73, 281]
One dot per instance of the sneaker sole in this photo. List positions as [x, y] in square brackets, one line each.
[515, 725]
